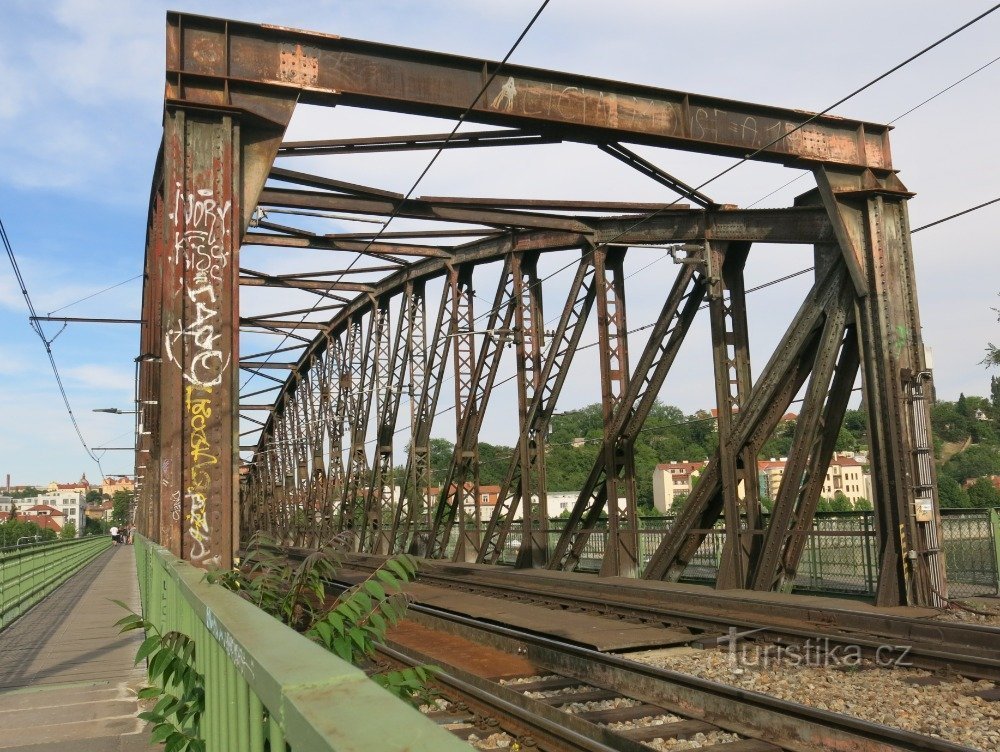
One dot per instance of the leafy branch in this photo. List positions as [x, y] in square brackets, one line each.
[175, 684]
[348, 626]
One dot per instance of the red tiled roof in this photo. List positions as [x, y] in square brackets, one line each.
[46, 509]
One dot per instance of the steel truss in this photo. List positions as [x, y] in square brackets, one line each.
[323, 457]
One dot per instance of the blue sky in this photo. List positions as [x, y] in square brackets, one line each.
[80, 120]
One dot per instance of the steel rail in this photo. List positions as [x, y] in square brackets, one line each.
[966, 649]
[792, 725]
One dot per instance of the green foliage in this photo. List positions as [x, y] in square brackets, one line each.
[175, 684]
[839, 503]
[94, 496]
[120, 513]
[983, 493]
[348, 626]
[25, 492]
[95, 527]
[68, 531]
[863, 505]
[14, 529]
[951, 495]
[975, 462]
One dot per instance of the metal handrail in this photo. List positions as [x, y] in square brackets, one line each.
[263, 680]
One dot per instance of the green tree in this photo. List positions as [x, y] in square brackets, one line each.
[122, 501]
[94, 527]
[983, 493]
[68, 531]
[951, 495]
[840, 503]
[94, 496]
[975, 462]
[863, 505]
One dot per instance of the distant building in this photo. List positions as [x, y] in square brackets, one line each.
[845, 475]
[994, 479]
[488, 497]
[112, 484]
[45, 516]
[82, 485]
[673, 479]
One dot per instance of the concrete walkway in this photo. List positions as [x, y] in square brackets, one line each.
[67, 679]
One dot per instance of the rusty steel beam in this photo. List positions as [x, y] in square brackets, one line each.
[464, 140]
[564, 342]
[222, 62]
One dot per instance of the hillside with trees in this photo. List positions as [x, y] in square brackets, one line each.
[966, 443]
[967, 446]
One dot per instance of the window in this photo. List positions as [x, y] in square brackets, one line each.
[484, 498]
[564, 505]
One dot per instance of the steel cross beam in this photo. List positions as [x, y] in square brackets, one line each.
[222, 62]
[231, 89]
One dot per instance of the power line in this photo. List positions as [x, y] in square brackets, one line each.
[37, 328]
[916, 107]
[774, 141]
[710, 180]
[94, 295]
[458, 124]
[956, 214]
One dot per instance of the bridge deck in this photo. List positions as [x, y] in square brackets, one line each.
[67, 679]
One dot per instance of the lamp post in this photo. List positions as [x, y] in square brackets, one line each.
[114, 411]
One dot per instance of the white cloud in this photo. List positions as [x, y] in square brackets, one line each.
[99, 377]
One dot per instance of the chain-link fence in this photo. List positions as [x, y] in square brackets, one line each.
[840, 554]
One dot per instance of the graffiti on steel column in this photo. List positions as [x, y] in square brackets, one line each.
[197, 411]
[201, 251]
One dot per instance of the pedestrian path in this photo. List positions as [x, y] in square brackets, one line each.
[67, 678]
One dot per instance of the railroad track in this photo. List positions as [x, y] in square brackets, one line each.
[548, 709]
[965, 649]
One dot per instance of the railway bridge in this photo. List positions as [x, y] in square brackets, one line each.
[410, 329]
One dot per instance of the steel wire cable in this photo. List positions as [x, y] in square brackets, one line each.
[37, 328]
[721, 173]
[743, 160]
[458, 124]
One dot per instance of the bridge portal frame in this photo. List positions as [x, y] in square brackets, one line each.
[231, 88]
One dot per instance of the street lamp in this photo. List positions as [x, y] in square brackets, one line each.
[113, 411]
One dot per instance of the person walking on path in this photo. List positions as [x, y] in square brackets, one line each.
[114, 534]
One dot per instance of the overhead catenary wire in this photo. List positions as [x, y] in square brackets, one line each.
[95, 294]
[743, 160]
[437, 153]
[647, 217]
[36, 326]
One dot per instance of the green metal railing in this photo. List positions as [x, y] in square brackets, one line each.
[30, 573]
[266, 686]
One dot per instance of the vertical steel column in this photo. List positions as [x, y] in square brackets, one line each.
[870, 220]
[427, 367]
[731, 357]
[576, 312]
[477, 384]
[621, 550]
[390, 384]
[363, 370]
[529, 342]
[467, 453]
[199, 373]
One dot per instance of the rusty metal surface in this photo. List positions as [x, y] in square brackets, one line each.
[325, 457]
[219, 62]
[600, 633]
